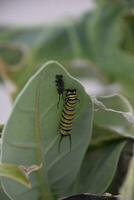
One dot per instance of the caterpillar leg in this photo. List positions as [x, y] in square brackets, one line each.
[59, 146]
[70, 142]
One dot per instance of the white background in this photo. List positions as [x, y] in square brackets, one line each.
[41, 11]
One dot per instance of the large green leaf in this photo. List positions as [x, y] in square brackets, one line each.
[32, 135]
[3, 196]
[100, 162]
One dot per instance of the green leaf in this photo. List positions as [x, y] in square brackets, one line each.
[32, 135]
[15, 173]
[100, 162]
[3, 196]
[116, 113]
[127, 190]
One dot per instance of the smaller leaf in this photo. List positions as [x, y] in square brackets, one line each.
[29, 170]
[14, 172]
[103, 136]
[100, 162]
[116, 113]
[127, 190]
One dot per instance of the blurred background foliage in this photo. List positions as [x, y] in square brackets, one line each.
[99, 46]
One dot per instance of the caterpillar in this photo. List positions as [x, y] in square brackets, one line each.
[68, 115]
[60, 86]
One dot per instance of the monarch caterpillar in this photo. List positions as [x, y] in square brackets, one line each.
[60, 86]
[68, 114]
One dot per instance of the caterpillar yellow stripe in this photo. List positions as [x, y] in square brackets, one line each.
[68, 115]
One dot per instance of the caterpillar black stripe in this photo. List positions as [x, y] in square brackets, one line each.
[60, 86]
[68, 114]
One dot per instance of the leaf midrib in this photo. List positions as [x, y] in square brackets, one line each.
[45, 190]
